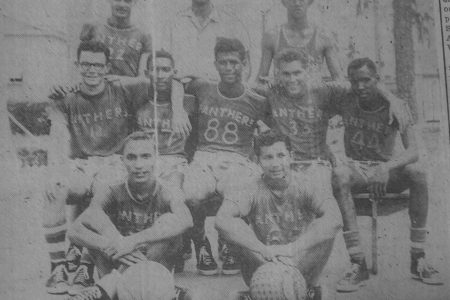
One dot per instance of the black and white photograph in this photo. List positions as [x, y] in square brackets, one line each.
[224, 149]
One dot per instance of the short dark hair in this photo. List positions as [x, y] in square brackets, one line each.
[163, 54]
[226, 45]
[93, 46]
[290, 55]
[139, 136]
[269, 138]
[358, 63]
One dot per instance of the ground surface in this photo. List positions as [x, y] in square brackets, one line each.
[24, 264]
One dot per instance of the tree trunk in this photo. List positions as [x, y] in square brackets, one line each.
[404, 52]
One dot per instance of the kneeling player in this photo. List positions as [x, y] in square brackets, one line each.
[373, 167]
[139, 219]
[288, 218]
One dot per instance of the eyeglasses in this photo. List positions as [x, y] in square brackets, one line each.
[86, 66]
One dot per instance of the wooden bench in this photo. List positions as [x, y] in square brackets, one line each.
[374, 215]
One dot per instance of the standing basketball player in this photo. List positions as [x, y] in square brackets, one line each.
[228, 115]
[287, 216]
[301, 35]
[88, 127]
[141, 218]
[372, 166]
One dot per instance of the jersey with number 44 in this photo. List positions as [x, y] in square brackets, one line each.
[368, 135]
[169, 142]
[227, 124]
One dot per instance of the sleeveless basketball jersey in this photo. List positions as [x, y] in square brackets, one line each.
[305, 119]
[282, 220]
[98, 124]
[227, 124]
[129, 216]
[169, 143]
[368, 135]
[125, 45]
[313, 49]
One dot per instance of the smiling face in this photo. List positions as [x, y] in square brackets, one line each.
[292, 77]
[139, 159]
[364, 82]
[230, 66]
[275, 161]
[93, 67]
[121, 8]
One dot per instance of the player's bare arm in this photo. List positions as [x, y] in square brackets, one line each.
[324, 228]
[233, 228]
[180, 120]
[167, 226]
[267, 53]
[380, 176]
[143, 64]
[333, 64]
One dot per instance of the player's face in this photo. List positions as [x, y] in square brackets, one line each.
[292, 77]
[139, 160]
[364, 82]
[275, 160]
[92, 67]
[229, 65]
[164, 73]
[296, 8]
[121, 8]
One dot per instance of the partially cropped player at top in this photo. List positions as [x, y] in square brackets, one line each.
[301, 35]
[141, 218]
[288, 216]
[227, 117]
[372, 166]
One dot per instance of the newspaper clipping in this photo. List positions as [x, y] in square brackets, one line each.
[224, 149]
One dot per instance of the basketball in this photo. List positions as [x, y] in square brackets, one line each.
[276, 281]
[144, 281]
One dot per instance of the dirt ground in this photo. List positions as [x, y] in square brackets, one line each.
[24, 259]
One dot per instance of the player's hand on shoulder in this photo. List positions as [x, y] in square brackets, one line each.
[61, 91]
[180, 123]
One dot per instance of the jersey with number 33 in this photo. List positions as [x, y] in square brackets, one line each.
[227, 124]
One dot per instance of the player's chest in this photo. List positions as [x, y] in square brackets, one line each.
[121, 41]
[147, 119]
[105, 110]
[144, 215]
[307, 111]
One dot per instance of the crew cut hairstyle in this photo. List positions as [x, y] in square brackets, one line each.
[226, 45]
[290, 55]
[93, 46]
[269, 138]
[139, 136]
[358, 63]
[162, 54]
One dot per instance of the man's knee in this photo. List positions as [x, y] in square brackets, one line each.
[417, 174]
[341, 177]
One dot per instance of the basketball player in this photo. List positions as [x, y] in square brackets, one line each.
[372, 166]
[301, 35]
[141, 218]
[288, 217]
[227, 118]
[87, 128]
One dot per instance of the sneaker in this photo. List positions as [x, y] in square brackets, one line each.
[206, 265]
[314, 293]
[230, 264]
[82, 279]
[422, 271]
[240, 295]
[57, 282]
[354, 278]
[91, 293]
[73, 257]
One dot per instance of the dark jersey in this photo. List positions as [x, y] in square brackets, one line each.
[169, 143]
[275, 219]
[227, 124]
[130, 216]
[98, 124]
[125, 45]
[368, 135]
[305, 119]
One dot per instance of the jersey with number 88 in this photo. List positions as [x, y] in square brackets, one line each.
[227, 124]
